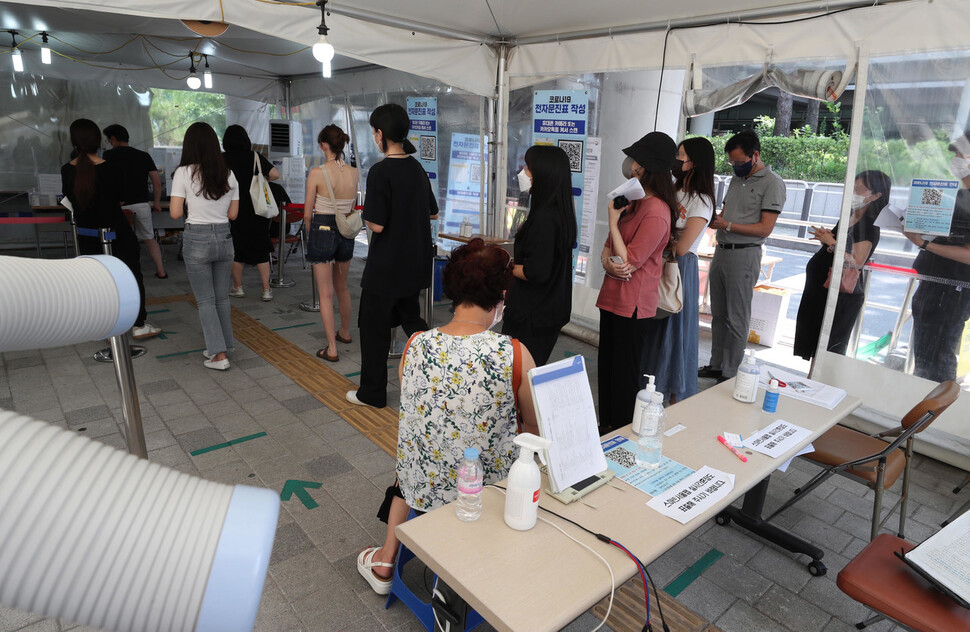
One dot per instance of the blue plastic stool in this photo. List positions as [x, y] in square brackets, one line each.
[421, 609]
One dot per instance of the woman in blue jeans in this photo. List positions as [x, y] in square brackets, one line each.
[204, 189]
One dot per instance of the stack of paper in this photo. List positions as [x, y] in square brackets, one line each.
[797, 387]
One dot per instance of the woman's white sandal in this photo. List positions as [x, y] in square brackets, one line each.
[365, 566]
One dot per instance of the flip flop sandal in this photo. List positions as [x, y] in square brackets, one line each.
[322, 354]
[366, 565]
[343, 340]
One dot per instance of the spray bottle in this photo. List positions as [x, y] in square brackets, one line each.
[522, 495]
[643, 400]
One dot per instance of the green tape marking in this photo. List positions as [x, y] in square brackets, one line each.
[291, 326]
[685, 579]
[178, 353]
[157, 311]
[219, 446]
[568, 354]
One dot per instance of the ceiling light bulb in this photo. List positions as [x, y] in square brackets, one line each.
[207, 77]
[45, 50]
[327, 69]
[193, 80]
[18, 61]
[323, 50]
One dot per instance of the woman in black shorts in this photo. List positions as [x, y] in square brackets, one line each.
[328, 251]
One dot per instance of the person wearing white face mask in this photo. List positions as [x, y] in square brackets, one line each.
[941, 309]
[869, 196]
[540, 299]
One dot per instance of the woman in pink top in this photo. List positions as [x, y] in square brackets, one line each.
[632, 258]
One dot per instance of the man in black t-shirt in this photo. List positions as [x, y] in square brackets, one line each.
[940, 309]
[137, 167]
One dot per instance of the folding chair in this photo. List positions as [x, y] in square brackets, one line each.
[882, 582]
[872, 461]
[963, 507]
[294, 216]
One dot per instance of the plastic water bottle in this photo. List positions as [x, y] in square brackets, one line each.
[652, 426]
[470, 476]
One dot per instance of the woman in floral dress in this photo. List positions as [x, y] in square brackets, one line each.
[461, 386]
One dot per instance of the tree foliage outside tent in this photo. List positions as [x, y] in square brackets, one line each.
[172, 111]
[822, 157]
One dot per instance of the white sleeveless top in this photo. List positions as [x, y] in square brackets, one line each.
[324, 205]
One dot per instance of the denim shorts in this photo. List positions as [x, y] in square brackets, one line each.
[326, 244]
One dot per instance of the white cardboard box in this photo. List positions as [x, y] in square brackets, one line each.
[769, 305]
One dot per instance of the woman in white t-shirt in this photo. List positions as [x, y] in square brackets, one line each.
[676, 361]
[204, 189]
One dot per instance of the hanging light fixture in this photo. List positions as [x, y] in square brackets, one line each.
[207, 75]
[323, 50]
[45, 50]
[193, 81]
[18, 59]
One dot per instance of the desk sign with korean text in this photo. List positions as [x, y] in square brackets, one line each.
[693, 495]
[776, 439]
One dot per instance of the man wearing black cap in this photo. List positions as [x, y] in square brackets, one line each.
[752, 204]
[941, 309]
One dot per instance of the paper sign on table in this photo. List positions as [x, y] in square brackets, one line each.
[784, 466]
[620, 455]
[776, 439]
[694, 495]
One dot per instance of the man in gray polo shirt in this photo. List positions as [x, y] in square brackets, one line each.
[752, 204]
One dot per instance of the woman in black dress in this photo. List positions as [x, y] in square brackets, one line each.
[540, 300]
[250, 232]
[95, 190]
[870, 196]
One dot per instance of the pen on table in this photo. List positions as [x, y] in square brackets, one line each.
[730, 447]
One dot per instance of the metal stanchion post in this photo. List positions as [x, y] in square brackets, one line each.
[279, 281]
[313, 305]
[77, 247]
[121, 353]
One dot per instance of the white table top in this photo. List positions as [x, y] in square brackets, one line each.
[539, 579]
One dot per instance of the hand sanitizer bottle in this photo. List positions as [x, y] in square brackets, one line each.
[522, 495]
[746, 382]
[643, 400]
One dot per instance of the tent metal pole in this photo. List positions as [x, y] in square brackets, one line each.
[706, 20]
[491, 103]
[501, 136]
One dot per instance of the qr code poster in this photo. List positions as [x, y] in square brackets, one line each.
[428, 149]
[574, 150]
[931, 204]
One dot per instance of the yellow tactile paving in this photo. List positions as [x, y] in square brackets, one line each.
[325, 384]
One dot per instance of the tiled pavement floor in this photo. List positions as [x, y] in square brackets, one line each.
[313, 583]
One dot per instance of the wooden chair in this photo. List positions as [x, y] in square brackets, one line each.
[882, 582]
[872, 461]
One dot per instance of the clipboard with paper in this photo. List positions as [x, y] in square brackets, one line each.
[566, 416]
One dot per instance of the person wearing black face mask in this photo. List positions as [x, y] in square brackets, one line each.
[752, 204]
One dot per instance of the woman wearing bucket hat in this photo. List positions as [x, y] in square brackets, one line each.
[633, 260]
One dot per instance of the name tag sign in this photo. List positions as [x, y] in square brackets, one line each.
[694, 495]
[776, 439]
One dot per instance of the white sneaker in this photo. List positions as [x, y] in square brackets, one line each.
[218, 365]
[145, 331]
[352, 398]
[237, 292]
[209, 356]
[267, 295]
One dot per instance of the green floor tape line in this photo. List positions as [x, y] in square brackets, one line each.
[219, 446]
[694, 571]
[179, 353]
[291, 326]
[867, 351]
[157, 311]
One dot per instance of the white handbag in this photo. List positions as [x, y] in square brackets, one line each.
[264, 204]
[670, 290]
